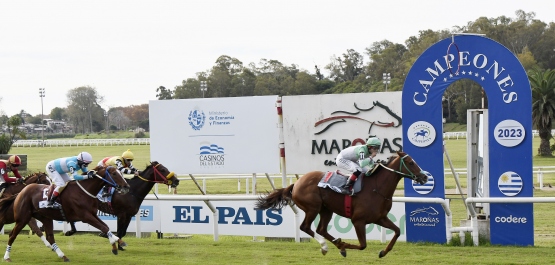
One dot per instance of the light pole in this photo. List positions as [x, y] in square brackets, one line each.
[42, 95]
[386, 80]
[203, 87]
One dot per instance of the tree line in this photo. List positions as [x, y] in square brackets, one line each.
[531, 40]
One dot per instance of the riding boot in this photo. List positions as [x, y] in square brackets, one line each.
[51, 201]
[346, 189]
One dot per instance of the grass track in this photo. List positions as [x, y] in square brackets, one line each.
[201, 249]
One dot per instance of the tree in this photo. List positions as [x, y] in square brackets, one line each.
[163, 93]
[347, 67]
[6, 141]
[83, 102]
[543, 106]
[58, 114]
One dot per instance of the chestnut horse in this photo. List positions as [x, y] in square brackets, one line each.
[125, 206]
[6, 215]
[370, 205]
[75, 206]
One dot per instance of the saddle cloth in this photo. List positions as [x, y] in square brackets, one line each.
[107, 199]
[334, 180]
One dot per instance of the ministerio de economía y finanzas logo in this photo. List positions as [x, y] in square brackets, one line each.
[421, 133]
[196, 119]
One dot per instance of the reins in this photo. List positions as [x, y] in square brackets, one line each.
[401, 166]
[107, 174]
[412, 176]
[164, 179]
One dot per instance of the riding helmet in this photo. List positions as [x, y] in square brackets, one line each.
[85, 157]
[14, 160]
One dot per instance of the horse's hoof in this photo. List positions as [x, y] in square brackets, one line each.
[65, 259]
[70, 233]
[8, 260]
[120, 248]
[343, 253]
[324, 251]
[381, 254]
[114, 251]
[123, 244]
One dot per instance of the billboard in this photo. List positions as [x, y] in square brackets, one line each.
[216, 135]
[236, 218]
[317, 127]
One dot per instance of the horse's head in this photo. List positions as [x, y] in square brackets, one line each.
[113, 177]
[39, 178]
[158, 173]
[409, 168]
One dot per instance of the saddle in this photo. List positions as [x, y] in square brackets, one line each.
[335, 179]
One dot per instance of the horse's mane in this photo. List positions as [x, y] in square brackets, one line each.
[152, 163]
[390, 159]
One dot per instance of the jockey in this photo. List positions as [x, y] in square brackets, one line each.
[356, 159]
[123, 163]
[58, 171]
[6, 166]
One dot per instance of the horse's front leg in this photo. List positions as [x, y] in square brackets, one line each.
[386, 223]
[73, 229]
[123, 224]
[95, 221]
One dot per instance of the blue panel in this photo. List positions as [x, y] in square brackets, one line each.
[512, 224]
[425, 222]
[498, 71]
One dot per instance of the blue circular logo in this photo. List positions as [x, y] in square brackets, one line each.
[196, 119]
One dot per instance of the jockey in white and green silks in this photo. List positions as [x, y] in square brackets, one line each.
[357, 159]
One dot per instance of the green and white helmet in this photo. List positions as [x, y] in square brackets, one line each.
[373, 141]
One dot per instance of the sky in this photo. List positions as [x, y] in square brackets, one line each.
[128, 48]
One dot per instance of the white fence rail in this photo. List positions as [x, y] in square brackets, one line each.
[81, 142]
[146, 141]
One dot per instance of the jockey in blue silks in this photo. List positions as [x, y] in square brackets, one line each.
[58, 170]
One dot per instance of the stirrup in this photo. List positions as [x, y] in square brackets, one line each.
[346, 191]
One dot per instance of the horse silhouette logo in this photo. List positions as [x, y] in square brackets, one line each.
[196, 119]
[425, 210]
[421, 133]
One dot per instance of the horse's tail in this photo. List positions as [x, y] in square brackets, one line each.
[276, 200]
[6, 203]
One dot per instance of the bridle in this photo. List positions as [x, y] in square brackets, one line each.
[158, 176]
[411, 176]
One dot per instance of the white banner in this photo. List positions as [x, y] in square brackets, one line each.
[317, 127]
[237, 218]
[216, 135]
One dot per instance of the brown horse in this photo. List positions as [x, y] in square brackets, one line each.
[370, 205]
[7, 216]
[125, 206]
[76, 206]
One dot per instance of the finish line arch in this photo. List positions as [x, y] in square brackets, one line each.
[506, 85]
